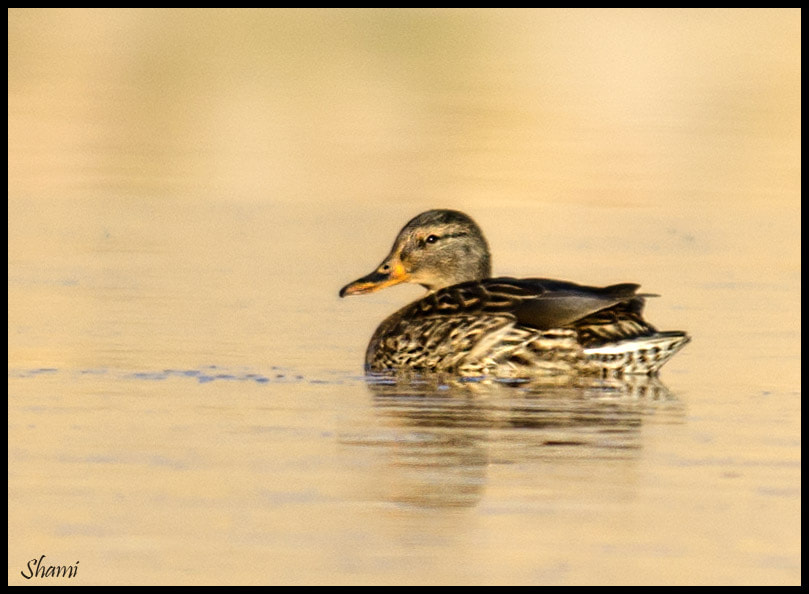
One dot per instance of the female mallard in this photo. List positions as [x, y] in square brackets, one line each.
[475, 326]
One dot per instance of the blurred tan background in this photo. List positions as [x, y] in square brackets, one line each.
[272, 104]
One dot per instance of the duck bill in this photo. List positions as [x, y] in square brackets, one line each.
[376, 281]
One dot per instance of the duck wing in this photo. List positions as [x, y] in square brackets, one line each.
[548, 304]
[538, 303]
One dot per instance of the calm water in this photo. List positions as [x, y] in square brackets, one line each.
[189, 190]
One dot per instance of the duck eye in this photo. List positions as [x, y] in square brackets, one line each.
[431, 238]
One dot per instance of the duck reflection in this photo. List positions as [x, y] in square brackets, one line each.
[438, 440]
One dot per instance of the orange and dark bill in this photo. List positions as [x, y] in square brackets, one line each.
[376, 280]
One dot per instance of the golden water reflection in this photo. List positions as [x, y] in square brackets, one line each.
[438, 440]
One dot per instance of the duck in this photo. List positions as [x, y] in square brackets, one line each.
[473, 325]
